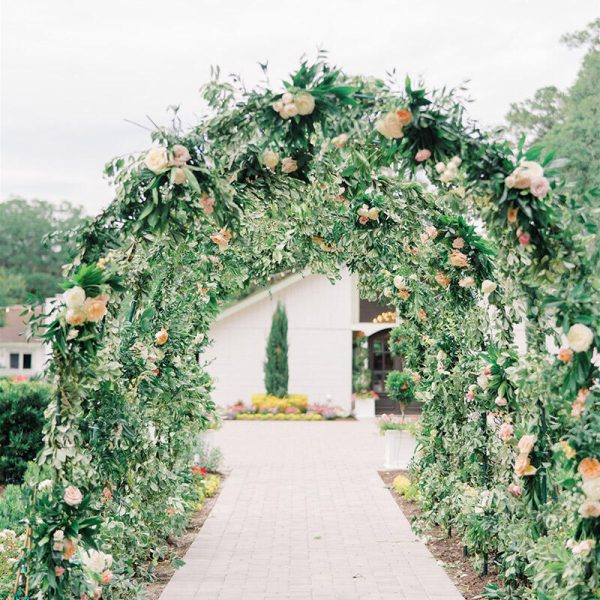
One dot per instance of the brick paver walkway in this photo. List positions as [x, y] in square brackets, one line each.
[304, 515]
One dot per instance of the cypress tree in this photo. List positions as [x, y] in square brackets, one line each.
[276, 363]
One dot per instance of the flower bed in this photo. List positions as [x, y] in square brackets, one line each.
[293, 408]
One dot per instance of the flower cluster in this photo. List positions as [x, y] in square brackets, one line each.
[301, 103]
[529, 175]
[391, 124]
[449, 171]
[80, 308]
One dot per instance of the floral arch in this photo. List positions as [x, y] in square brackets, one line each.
[322, 175]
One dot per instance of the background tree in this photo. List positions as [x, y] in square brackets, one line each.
[276, 363]
[569, 122]
[35, 241]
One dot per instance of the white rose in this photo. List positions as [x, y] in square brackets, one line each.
[305, 103]
[46, 484]
[483, 382]
[287, 98]
[58, 535]
[387, 292]
[399, 282]
[363, 211]
[97, 561]
[72, 496]
[591, 489]
[510, 181]
[277, 106]
[487, 286]
[74, 297]
[157, 160]
[270, 159]
[456, 161]
[446, 176]
[440, 168]
[340, 140]
[288, 111]
[390, 126]
[580, 337]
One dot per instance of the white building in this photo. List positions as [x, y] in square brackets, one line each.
[323, 320]
[17, 355]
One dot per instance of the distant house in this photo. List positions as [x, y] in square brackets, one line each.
[324, 319]
[17, 355]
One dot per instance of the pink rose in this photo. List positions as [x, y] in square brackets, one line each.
[422, 155]
[181, 155]
[207, 204]
[540, 186]
[363, 220]
[524, 238]
[515, 490]
[431, 231]
[506, 432]
[59, 571]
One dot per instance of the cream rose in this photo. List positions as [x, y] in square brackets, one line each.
[440, 168]
[580, 337]
[72, 496]
[467, 282]
[97, 561]
[74, 296]
[487, 286]
[390, 126]
[399, 282]
[340, 141]
[305, 103]
[525, 173]
[157, 160]
[373, 214]
[591, 489]
[270, 159]
[288, 165]
[179, 177]
[161, 337]
[289, 110]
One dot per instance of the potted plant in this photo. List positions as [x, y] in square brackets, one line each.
[364, 404]
[400, 443]
[400, 386]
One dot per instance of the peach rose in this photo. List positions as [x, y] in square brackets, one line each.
[523, 468]
[221, 238]
[589, 468]
[423, 155]
[363, 220]
[161, 337]
[207, 204]
[106, 577]
[565, 355]
[579, 403]
[525, 174]
[95, 309]
[405, 116]
[526, 444]
[59, 571]
[458, 243]
[442, 279]
[75, 316]
[590, 509]
[69, 550]
[512, 215]
[288, 165]
[458, 259]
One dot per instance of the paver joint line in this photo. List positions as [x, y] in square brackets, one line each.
[303, 514]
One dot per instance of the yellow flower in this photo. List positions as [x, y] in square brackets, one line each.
[568, 451]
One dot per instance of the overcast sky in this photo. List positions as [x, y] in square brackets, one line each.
[73, 71]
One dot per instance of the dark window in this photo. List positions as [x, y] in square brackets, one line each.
[14, 360]
[27, 361]
[369, 310]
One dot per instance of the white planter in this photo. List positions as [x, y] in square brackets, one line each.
[364, 408]
[399, 449]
